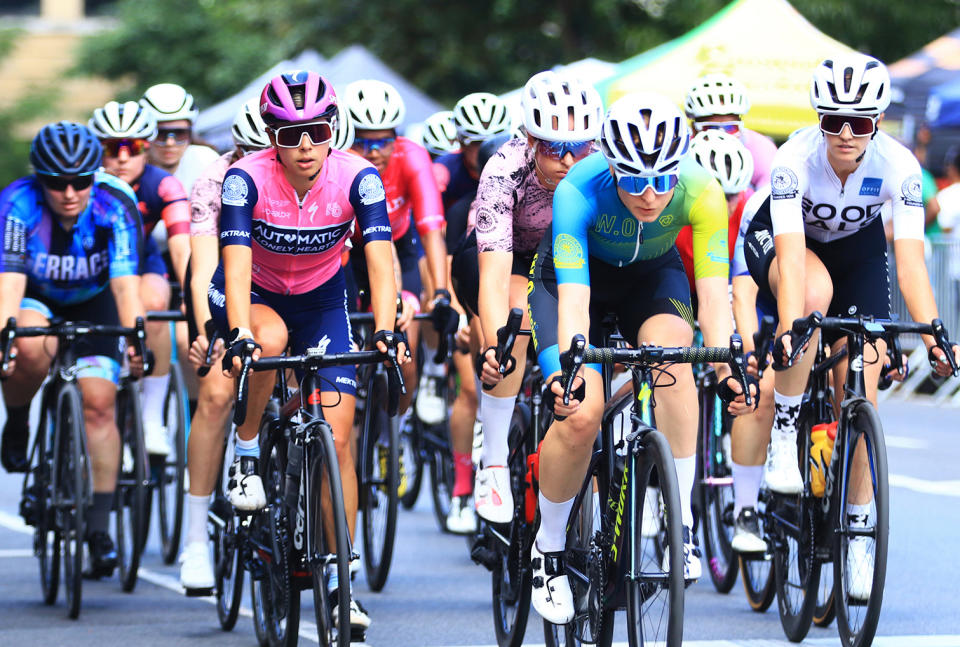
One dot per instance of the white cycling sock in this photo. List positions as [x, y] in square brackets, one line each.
[197, 507]
[746, 486]
[858, 515]
[495, 416]
[552, 536]
[786, 410]
[154, 393]
[431, 368]
[248, 447]
[686, 474]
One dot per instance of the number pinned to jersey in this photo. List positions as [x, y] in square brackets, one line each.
[567, 252]
[912, 189]
[371, 189]
[234, 192]
[783, 183]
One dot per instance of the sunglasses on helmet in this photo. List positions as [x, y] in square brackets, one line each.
[318, 132]
[369, 144]
[859, 126]
[559, 150]
[79, 182]
[635, 185]
[111, 147]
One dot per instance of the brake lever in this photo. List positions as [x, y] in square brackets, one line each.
[571, 361]
[738, 366]
[940, 335]
[506, 338]
[142, 350]
[761, 339]
[212, 336]
[240, 406]
[7, 336]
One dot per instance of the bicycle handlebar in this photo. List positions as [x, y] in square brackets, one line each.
[165, 315]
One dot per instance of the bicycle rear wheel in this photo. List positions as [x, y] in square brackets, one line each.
[326, 493]
[826, 611]
[170, 470]
[757, 570]
[411, 464]
[74, 491]
[379, 499]
[131, 500]
[655, 598]
[441, 480]
[228, 555]
[858, 597]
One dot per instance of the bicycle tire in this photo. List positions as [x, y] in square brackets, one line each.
[411, 464]
[441, 482]
[75, 491]
[825, 611]
[758, 582]
[857, 621]
[172, 468]
[713, 492]
[228, 566]
[47, 535]
[511, 577]
[258, 607]
[644, 623]
[379, 482]
[324, 470]
[131, 500]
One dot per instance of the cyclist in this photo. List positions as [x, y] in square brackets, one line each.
[376, 109]
[214, 392]
[615, 219]
[288, 211]
[125, 132]
[818, 244]
[716, 101]
[514, 207]
[69, 234]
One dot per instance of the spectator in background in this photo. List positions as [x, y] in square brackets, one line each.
[930, 205]
[948, 217]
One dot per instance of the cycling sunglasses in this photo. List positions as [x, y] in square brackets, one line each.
[635, 185]
[180, 136]
[859, 126]
[559, 150]
[369, 144]
[111, 147]
[466, 140]
[80, 182]
[318, 132]
[729, 127]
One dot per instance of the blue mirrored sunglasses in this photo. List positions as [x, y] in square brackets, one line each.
[559, 150]
[371, 144]
[636, 185]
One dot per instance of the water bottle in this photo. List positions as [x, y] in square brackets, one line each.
[823, 437]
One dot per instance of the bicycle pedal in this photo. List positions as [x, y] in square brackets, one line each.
[199, 593]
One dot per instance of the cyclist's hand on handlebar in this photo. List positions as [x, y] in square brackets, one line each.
[462, 338]
[405, 313]
[938, 360]
[488, 369]
[12, 366]
[577, 392]
[445, 318]
[731, 393]
[385, 340]
[242, 345]
[135, 361]
[783, 348]
[753, 365]
[198, 351]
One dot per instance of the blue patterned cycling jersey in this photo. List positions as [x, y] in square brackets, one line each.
[66, 267]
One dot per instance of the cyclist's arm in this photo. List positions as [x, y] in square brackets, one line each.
[236, 222]
[176, 219]
[13, 261]
[124, 251]
[13, 285]
[374, 225]
[788, 182]
[204, 256]
[711, 265]
[494, 296]
[745, 292]
[573, 215]
[126, 294]
[427, 212]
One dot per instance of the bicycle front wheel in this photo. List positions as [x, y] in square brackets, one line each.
[655, 590]
[131, 500]
[860, 544]
[411, 464]
[47, 534]
[170, 469]
[379, 499]
[74, 491]
[227, 549]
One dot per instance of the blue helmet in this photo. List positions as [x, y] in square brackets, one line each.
[65, 148]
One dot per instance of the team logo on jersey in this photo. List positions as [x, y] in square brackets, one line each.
[286, 240]
[567, 252]
[234, 192]
[783, 183]
[666, 220]
[371, 189]
[871, 186]
[912, 190]
[88, 242]
[334, 210]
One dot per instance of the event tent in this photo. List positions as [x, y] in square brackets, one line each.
[352, 63]
[766, 44]
[915, 78]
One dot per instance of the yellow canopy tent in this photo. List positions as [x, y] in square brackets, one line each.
[765, 44]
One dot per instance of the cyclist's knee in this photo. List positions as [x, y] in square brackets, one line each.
[271, 335]
[581, 428]
[98, 409]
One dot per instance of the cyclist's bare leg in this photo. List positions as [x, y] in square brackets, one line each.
[155, 294]
[270, 332]
[510, 385]
[205, 448]
[340, 418]
[750, 434]
[410, 368]
[464, 414]
[34, 356]
[103, 439]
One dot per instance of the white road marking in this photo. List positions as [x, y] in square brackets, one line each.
[941, 488]
[904, 442]
[16, 552]
[880, 641]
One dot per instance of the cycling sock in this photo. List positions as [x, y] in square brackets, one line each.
[154, 393]
[686, 474]
[248, 447]
[858, 515]
[552, 536]
[18, 416]
[197, 507]
[431, 368]
[98, 516]
[333, 578]
[746, 486]
[786, 410]
[462, 474]
[495, 416]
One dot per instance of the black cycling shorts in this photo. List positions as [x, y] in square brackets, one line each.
[465, 271]
[857, 265]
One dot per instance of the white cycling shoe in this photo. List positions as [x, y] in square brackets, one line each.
[551, 595]
[430, 407]
[156, 439]
[650, 525]
[692, 569]
[196, 568]
[859, 568]
[492, 494]
[462, 519]
[783, 470]
[246, 488]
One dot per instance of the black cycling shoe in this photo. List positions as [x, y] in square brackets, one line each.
[13, 447]
[103, 556]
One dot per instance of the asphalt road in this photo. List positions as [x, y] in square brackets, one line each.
[437, 597]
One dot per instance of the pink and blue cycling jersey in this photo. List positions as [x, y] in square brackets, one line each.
[296, 244]
[762, 149]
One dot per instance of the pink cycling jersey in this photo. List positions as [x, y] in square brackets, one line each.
[410, 183]
[296, 244]
[205, 198]
[762, 149]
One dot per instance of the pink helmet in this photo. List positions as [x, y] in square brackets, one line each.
[297, 96]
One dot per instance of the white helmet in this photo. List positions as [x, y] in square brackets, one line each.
[481, 115]
[550, 99]
[123, 120]
[344, 133]
[716, 94]
[248, 129]
[170, 102]
[374, 105]
[850, 84]
[725, 157]
[644, 134]
[439, 133]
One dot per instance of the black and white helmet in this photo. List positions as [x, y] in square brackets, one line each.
[344, 132]
[481, 115]
[128, 120]
[725, 157]
[644, 134]
[248, 129]
[549, 100]
[170, 102]
[716, 94]
[374, 105]
[850, 84]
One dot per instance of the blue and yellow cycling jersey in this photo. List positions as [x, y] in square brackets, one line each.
[67, 267]
[589, 220]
